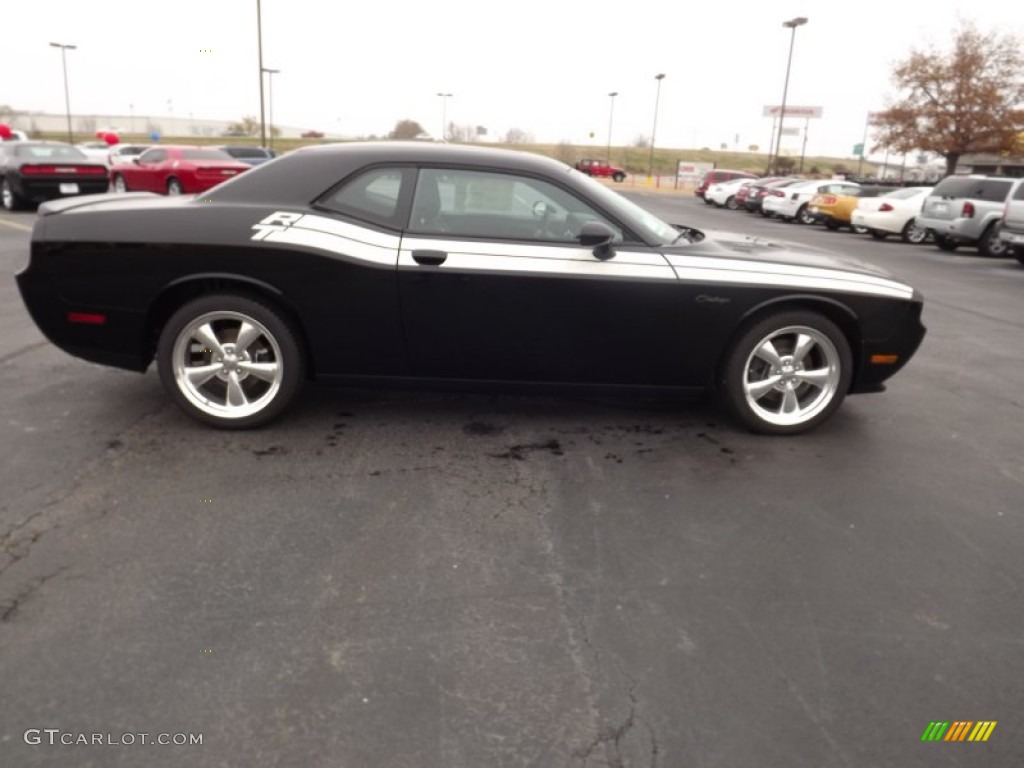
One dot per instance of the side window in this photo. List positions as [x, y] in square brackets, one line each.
[372, 196]
[994, 191]
[153, 156]
[498, 206]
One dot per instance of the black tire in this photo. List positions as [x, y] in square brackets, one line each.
[11, 200]
[761, 410]
[832, 224]
[708, 200]
[878, 234]
[912, 234]
[619, 177]
[946, 243]
[731, 203]
[1018, 254]
[804, 216]
[991, 245]
[174, 187]
[272, 350]
[766, 214]
[118, 183]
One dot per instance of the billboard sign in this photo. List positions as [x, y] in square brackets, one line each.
[793, 111]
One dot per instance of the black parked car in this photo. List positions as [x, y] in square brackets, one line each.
[248, 155]
[393, 263]
[34, 171]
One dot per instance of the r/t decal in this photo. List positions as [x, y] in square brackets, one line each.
[278, 221]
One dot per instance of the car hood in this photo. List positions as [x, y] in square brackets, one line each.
[734, 258]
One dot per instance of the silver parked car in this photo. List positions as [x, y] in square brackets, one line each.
[1012, 231]
[967, 210]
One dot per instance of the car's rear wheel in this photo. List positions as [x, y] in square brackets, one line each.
[804, 216]
[10, 199]
[991, 245]
[786, 373]
[878, 234]
[618, 177]
[946, 243]
[174, 187]
[859, 230]
[731, 203]
[230, 361]
[913, 234]
[118, 184]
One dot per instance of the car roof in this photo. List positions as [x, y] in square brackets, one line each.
[311, 170]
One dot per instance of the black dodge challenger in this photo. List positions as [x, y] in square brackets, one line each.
[401, 263]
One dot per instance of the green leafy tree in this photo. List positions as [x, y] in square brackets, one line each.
[968, 99]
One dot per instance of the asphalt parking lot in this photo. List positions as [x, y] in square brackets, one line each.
[399, 580]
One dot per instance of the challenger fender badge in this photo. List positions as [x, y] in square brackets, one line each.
[278, 221]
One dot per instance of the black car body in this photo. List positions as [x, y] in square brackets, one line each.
[392, 262]
[756, 193]
[34, 171]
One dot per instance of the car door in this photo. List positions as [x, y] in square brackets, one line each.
[143, 176]
[495, 285]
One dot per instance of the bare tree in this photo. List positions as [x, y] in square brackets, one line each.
[406, 129]
[965, 100]
[641, 141]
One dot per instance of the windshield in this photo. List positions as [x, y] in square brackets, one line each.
[649, 226]
[50, 152]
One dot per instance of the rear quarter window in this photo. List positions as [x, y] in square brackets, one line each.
[990, 190]
[1019, 194]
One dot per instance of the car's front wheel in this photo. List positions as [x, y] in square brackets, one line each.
[230, 361]
[991, 244]
[174, 187]
[859, 230]
[786, 373]
[118, 184]
[731, 203]
[913, 234]
[619, 177]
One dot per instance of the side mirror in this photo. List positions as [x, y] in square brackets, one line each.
[598, 235]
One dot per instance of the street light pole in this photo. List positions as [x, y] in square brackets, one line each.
[259, 43]
[792, 24]
[444, 115]
[611, 111]
[67, 97]
[270, 94]
[654, 128]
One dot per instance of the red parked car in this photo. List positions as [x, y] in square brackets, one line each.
[175, 170]
[717, 176]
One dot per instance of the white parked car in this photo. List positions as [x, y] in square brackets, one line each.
[723, 194]
[892, 214]
[120, 154]
[96, 151]
[792, 204]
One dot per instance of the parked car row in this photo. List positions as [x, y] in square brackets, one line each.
[986, 212]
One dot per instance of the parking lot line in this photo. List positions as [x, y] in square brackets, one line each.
[15, 225]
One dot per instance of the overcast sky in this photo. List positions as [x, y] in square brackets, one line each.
[543, 66]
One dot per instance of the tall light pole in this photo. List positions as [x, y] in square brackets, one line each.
[792, 24]
[444, 115]
[67, 98]
[654, 129]
[611, 111]
[270, 93]
[259, 44]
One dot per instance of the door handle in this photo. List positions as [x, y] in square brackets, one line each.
[429, 258]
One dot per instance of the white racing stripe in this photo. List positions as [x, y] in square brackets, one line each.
[741, 272]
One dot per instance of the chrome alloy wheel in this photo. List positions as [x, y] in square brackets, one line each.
[227, 364]
[791, 375]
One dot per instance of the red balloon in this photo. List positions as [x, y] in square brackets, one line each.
[5, 131]
[111, 139]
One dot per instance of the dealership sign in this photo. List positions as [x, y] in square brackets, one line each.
[792, 111]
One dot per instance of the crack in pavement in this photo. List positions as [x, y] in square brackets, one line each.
[16, 602]
[614, 736]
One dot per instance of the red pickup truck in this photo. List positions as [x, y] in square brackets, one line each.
[593, 167]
